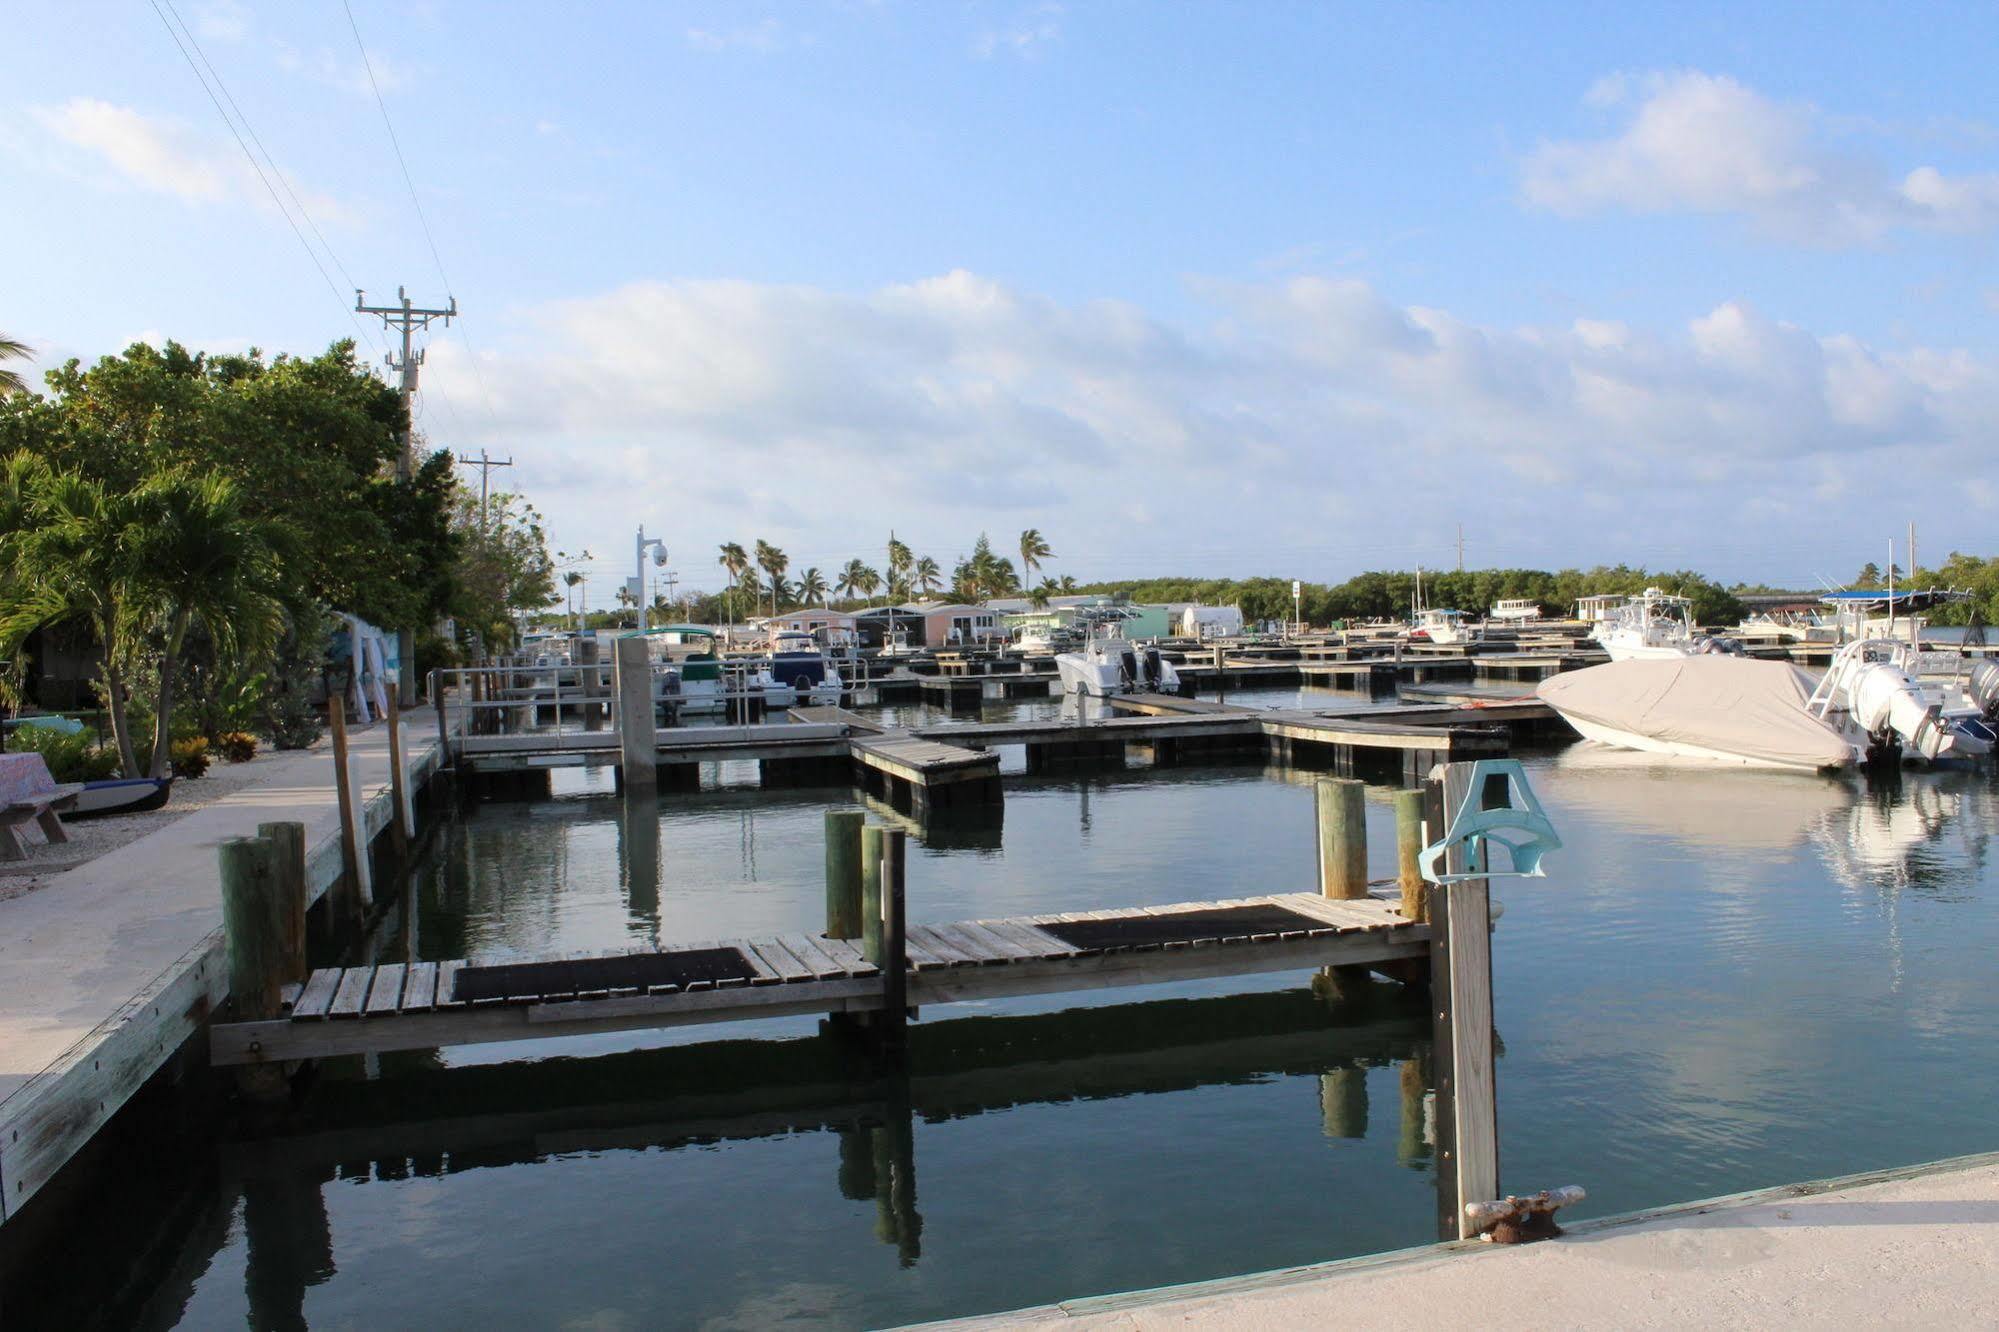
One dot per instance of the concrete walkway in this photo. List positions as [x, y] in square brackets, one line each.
[1912, 1248]
[108, 968]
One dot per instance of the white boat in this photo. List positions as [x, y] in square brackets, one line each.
[120, 795]
[1727, 709]
[1519, 610]
[687, 671]
[1043, 640]
[1653, 626]
[1108, 663]
[1444, 627]
[798, 671]
[1870, 696]
[895, 643]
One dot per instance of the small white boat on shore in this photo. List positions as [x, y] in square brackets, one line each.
[1516, 611]
[1722, 708]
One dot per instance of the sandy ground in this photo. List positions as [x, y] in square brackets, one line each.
[91, 838]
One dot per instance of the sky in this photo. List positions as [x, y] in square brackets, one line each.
[1192, 289]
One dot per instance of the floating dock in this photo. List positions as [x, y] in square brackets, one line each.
[375, 1009]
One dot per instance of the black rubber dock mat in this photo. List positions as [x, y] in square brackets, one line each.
[641, 971]
[1180, 927]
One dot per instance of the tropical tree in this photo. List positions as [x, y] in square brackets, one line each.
[574, 580]
[929, 578]
[10, 380]
[871, 582]
[197, 558]
[852, 579]
[736, 563]
[812, 587]
[899, 561]
[1033, 550]
[1043, 592]
[1068, 583]
[773, 562]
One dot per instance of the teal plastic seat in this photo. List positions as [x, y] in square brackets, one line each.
[1520, 825]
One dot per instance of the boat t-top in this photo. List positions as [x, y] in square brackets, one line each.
[1658, 626]
[1108, 663]
[1444, 627]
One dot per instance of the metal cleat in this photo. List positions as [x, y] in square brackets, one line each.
[1516, 1220]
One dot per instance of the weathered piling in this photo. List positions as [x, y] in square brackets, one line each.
[1408, 851]
[1461, 1005]
[638, 744]
[354, 894]
[256, 923]
[402, 821]
[1342, 838]
[871, 892]
[589, 665]
[1412, 1143]
[288, 849]
[895, 941]
[843, 873]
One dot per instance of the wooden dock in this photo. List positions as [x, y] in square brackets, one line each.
[396, 1006]
[923, 777]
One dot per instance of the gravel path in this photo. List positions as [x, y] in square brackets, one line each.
[91, 838]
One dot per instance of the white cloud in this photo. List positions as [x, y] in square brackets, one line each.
[1313, 420]
[222, 20]
[1027, 36]
[121, 145]
[1704, 143]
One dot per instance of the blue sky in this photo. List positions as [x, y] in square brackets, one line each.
[1191, 288]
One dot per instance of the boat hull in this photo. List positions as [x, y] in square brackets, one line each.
[1645, 744]
[134, 795]
[1724, 709]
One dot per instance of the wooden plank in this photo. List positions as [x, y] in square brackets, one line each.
[317, 994]
[843, 952]
[447, 981]
[936, 944]
[353, 991]
[777, 958]
[420, 987]
[807, 951]
[1034, 941]
[976, 943]
[921, 958]
[385, 992]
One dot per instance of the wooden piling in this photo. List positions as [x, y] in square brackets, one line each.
[1461, 1002]
[443, 727]
[1408, 851]
[588, 661]
[256, 922]
[638, 740]
[871, 892]
[402, 821]
[288, 857]
[895, 941]
[843, 873]
[1342, 838]
[1412, 1143]
[355, 894]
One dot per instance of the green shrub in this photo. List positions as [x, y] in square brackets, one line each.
[189, 757]
[237, 746]
[71, 758]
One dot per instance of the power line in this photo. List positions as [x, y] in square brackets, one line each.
[423, 221]
[310, 253]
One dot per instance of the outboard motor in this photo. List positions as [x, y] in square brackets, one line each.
[1984, 688]
[1152, 667]
[1128, 663]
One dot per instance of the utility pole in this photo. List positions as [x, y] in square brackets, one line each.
[1461, 547]
[407, 319]
[1912, 553]
[485, 466]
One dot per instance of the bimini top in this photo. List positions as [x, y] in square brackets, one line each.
[703, 630]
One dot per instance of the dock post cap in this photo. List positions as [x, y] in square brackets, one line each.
[1520, 825]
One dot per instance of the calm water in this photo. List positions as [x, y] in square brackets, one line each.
[1727, 980]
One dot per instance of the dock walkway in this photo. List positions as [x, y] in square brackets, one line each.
[375, 1009]
[109, 968]
[1891, 1248]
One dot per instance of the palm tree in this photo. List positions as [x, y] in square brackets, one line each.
[852, 579]
[201, 558]
[1042, 592]
[773, 562]
[870, 582]
[929, 578]
[812, 586]
[10, 350]
[573, 580]
[1033, 550]
[71, 561]
[1068, 583]
[899, 560]
[736, 562]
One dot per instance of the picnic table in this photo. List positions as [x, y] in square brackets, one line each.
[27, 791]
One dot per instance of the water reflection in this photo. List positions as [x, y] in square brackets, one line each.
[422, 1123]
